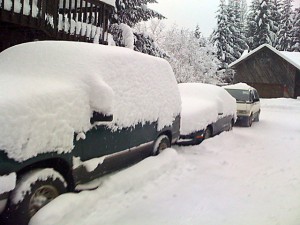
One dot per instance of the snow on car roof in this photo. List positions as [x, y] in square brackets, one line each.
[49, 90]
[240, 86]
[201, 104]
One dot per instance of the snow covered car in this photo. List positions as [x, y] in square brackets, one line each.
[71, 112]
[248, 103]
[207, 110]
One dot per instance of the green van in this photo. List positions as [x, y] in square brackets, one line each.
[71, 112]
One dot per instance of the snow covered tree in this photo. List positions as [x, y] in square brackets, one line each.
[128, 13]
[295, 42]
[264, 33]
[285, 28]
[251, 24]
[260, 25]
[276, 8]
[192, 58]
[237, 39]
[131, 12]
[221, 37]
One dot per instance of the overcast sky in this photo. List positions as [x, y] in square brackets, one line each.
[189, 13]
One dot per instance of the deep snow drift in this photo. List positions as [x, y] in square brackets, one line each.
[248, 176]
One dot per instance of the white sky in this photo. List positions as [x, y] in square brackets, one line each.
[189, 13]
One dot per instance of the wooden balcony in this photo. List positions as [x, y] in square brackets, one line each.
[74, 20]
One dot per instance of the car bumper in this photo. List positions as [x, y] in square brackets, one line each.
[191, 139]
[242, 119]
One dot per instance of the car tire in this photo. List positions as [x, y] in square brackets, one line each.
[33, 191]
[249, 121]
[230, 125]
[256, 119]
[160, 144]
[207, 133]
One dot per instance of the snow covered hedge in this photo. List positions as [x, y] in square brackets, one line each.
[49, 90]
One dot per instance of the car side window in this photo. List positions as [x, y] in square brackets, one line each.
[256, 94]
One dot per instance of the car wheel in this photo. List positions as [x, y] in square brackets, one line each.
[230, 126]
[207, 133]
[161, 143]
[33, 191]
[249, 121]
[257, 117]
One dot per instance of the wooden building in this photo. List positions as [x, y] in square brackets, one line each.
[273, 73]
[75, 20]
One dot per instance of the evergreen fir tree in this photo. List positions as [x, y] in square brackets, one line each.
[295, 43]
[221, 37]
[251, 27]
[276, 7]
[285, 28]
[131, 12]
[238, 40]
[264, 33]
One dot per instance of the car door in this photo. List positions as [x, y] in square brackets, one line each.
[256, 102]
[101, 141]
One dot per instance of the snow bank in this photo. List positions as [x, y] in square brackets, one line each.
[125, 182]
[50, 89]
[8, 182]
[201, 104]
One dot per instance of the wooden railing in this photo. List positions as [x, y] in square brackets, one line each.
[79, 20]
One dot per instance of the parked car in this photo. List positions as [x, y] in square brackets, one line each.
[71, 112]
[248, 103]
[207, 110]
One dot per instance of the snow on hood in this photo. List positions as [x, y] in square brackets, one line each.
[201, 104]
[49, 90]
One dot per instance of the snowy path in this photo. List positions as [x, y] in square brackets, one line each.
[250, 176]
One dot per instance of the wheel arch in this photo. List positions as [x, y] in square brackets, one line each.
[58, 164]
[168, 133]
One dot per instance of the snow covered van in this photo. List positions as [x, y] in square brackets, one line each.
[71, 112]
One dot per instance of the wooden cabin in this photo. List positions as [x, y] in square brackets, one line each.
[273, 73]
[74, 20]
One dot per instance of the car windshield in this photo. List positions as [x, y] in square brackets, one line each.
[239, 95]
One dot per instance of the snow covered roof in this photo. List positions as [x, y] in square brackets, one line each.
[49, 90]
[291, 57]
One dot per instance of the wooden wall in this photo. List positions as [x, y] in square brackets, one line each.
[270, 74]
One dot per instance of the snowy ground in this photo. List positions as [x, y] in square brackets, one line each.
[250, 176]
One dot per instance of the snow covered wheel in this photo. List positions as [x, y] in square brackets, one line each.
[33, 191]
[161, 143]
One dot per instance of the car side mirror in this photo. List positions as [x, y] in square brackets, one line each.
[256, 100]
[100, 117]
